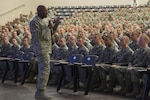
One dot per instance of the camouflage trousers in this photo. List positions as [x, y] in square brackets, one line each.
[122, 75]
[100, 71]
[127, 75]
[104, 70]
[43, 70]
[135, 74]
[116, 74]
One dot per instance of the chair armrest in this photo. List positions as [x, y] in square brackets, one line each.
[64, 62]
[54, 61]
[24, 61]
[4, 58]
[102, 64]
[144, 71]
[60, 63]
[86, 66]
[79, 64]
[15, 59]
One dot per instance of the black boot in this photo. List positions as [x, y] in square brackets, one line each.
[122, 89]
[139, 96]
[40, 95]
[55, 79]
[102, 87]
[135, 92]
[128, 84]
[127, 89]
[112, 81]
[30, 78]
[109, 89]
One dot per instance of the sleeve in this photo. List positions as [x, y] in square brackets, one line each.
[34, 28]
[114, 53]
[115, 60]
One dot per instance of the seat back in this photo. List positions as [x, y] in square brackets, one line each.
[27, 55]
[75, 58]
[90, 59]
[84, 72]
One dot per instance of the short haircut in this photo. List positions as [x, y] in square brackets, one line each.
[146, 38]
[108, 37]
[39, 7]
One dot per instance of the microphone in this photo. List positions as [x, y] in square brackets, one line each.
[50, 24]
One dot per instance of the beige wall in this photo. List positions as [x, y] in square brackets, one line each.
[7, 5]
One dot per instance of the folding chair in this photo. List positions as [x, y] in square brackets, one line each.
[85, 69]
[72, 61]
[146, 74]
[14, 59]
[26, 57]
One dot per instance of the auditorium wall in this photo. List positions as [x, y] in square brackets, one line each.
[10, 9]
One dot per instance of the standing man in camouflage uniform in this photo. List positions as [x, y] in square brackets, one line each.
[41, 42]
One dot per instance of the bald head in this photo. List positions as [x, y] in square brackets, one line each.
[124, 41]
[126, 38]
[144, 40]
[42, 11]
[62, 42]
[72, 40]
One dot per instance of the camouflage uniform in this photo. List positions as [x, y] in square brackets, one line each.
[148, 3]
[41, 42]
[61, 53]
[6, 49]
[82, 50]
[71, 50]
[55, 70]
[15, 49]
[96, 50]
[122, 59]
[5, 52]
[104, 69]
[17, 38]
[54, 50]
[26, 48]
[88, 45]
[134, 46]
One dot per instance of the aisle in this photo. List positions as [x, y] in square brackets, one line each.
[12, 91]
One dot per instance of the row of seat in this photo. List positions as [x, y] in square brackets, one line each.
[75, 62]
[77, 67]
[80, 68]
[69, 10]
[15, 60]
[93, 7]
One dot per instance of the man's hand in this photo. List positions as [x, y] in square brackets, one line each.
[50, 25]
[57, 21]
